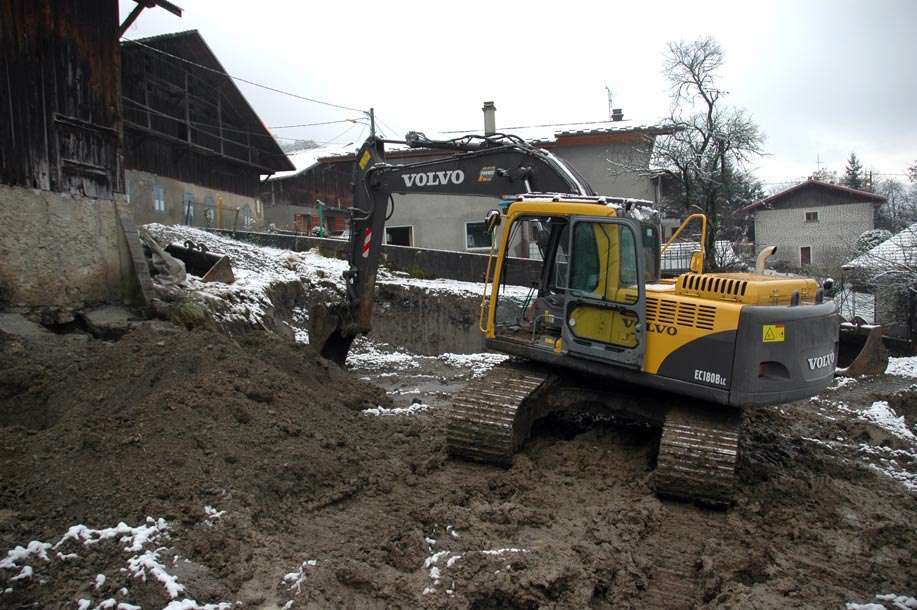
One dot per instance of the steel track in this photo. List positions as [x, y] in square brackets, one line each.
[487, 421]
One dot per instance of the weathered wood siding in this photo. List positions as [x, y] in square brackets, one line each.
[60, 100]
[185, 119]
[330, 183]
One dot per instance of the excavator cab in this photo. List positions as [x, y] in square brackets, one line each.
[589, 296]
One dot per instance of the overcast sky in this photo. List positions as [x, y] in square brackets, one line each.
[821, 78]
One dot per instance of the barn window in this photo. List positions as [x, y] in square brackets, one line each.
[189, 208]
[811, 216]
[210, 211]
[159, 199]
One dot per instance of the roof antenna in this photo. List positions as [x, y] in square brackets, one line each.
[610, 111]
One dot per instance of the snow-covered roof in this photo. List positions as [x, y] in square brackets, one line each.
[308, 158]
[546, 135]
[897, 253]
[538, 135]
[864, 196]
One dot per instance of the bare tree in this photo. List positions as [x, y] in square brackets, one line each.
[711, 142]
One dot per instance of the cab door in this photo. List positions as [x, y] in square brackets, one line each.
[605, 303]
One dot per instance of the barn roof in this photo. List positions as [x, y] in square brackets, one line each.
[233, 116]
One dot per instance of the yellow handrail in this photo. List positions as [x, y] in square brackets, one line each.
[703, 236]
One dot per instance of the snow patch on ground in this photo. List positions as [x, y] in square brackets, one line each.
[382, 411]
[897, 602]
[903, 367]
[881, 414]
[141, 562]
[477, 364]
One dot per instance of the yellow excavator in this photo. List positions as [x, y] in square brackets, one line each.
[598, 329]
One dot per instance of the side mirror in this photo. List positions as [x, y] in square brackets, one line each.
[493, 220]
[697, 262]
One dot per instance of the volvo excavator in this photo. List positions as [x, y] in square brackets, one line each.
[575, 294]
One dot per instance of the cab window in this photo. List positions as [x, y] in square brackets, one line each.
[604, 261]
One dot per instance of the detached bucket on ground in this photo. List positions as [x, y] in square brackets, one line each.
[199, 261]
[860, 350]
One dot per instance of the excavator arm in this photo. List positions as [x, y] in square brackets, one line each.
[495, 166]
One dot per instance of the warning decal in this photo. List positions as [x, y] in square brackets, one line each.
[365, 159]
[774, 333]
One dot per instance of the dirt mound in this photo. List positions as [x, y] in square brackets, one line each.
[189, 469]
[166, 422]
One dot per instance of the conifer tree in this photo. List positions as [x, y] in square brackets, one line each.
[853, 173]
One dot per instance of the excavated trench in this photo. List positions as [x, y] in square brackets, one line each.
[411, 318]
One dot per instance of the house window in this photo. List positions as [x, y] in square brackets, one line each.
[399, 236]
[476, 235]
[159, 199]
[805, 256]
[188, 207]
[210, 211]
[247, 216]
[811, 216]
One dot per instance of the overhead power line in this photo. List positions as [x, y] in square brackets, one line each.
[243, 80]
[317, 124]
[216, 128]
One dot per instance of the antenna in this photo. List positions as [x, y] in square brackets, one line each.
[610, 112]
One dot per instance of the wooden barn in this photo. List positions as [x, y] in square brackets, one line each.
[194, 149]
[60, 95]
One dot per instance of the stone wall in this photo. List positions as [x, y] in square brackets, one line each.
[62, 251]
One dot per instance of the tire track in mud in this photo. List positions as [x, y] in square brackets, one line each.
[676, 550]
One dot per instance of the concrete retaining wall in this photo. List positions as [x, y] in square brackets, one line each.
[62, 251]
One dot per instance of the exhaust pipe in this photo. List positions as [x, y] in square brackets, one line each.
[762, 257]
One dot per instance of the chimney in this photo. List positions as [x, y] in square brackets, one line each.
[617, 114]
[490, 118]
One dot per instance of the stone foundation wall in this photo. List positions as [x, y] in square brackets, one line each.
[62, 251]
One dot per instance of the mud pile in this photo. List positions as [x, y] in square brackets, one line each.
[189, 469]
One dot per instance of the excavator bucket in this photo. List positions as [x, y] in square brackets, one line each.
[861, 351]
[327, 332]
[201, 262]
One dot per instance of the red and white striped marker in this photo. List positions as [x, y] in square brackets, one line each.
[367, 237]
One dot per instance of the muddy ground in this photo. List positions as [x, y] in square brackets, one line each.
[276, 490]
[226, 466]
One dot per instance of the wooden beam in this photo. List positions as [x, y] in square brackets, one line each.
[131, 18]
[195, 147]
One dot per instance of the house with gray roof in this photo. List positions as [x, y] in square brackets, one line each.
[815, 225]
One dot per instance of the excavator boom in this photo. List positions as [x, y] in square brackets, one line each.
[496, 166]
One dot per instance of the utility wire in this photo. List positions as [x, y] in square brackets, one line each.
[316, 124]
[240, 79]
[207, 126]
[340, 135]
